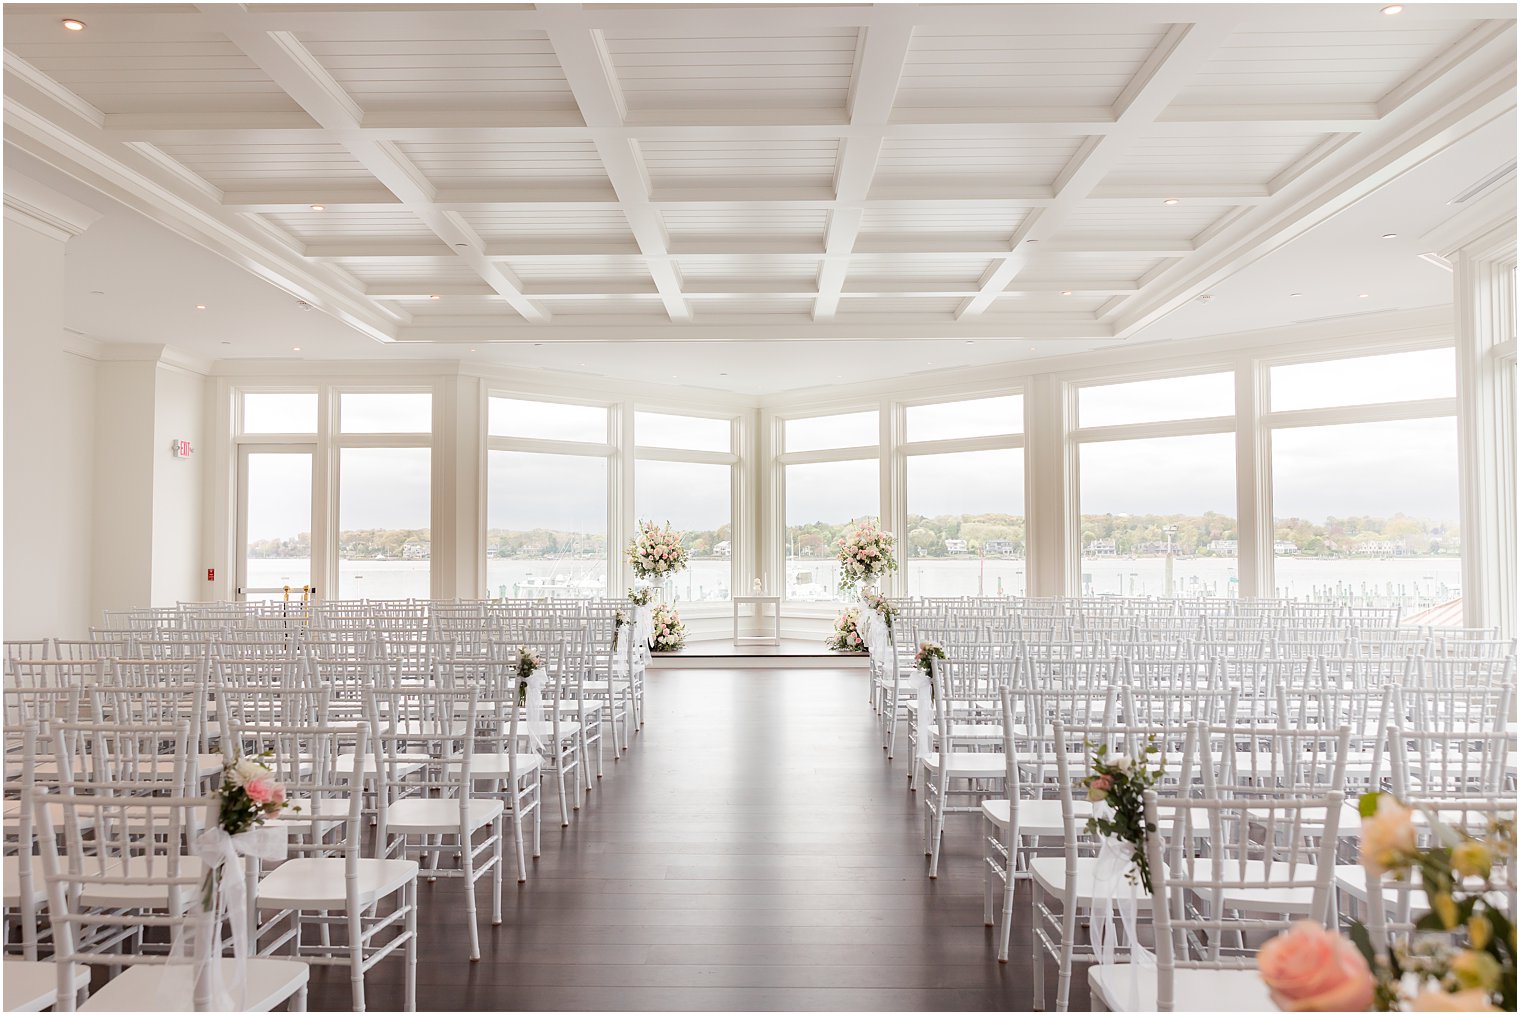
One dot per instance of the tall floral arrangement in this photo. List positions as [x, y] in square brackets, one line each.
[847, 636]
[669, 633]
[1461, 956]
[1120, 781]
[656, 552]
[865, 554]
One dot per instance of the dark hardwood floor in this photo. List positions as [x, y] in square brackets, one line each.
[754, 850]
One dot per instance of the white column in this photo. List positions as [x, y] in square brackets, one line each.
[1485, 343]
[1254, 527]
[1052, 529]
[49, 423]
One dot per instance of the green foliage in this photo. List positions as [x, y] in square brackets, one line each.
[1121, 783]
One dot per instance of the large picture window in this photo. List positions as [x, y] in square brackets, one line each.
[384, 523]
[965, 532]
[696, 498]
[1365, 509]
[546, 510]
[822, 499]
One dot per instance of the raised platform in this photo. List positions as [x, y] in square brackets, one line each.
[791, 654]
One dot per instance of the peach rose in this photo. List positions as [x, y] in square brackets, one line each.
[261, 789]
[1309, 968]
[1387, 837]
[1099, 788]
[1436, 999]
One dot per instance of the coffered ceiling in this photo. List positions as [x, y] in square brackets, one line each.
[474, 174]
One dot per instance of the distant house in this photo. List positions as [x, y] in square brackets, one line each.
[1225, 547]
[414, 549]
[1285, 548]
[998, 548]
[1100, 548]
[955, 546]
[1151, 546]
[1380, 548]
[723, 549]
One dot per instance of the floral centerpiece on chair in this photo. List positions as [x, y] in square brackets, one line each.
[669, 633]
[1119, 782]
[879, 605]
[641, 596]
[865, 554]
[847, 636]
[1461, 955]
[928, 651]
[528, 663]
[656, 552]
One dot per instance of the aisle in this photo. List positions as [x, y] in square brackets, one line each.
[753, 851]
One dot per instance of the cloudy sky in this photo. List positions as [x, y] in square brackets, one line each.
[1406, 466]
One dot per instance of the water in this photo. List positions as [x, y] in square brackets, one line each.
[1416, 581]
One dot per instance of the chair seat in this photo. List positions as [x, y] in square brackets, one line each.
[269, 982]
[495, 765]
[434, 816]
[966, 765]
[1192, 989]
[316, 882]
[406, 764]
[1036, 817]
[1269, 897]
[33, 986]
[12, 878]
[1049, 873]
[145, 895]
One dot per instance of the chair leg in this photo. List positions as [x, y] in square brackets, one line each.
[1068, 947]
[538, 815]
[356, 957]
[469, 895]
[1006, 929]
[939, 826]
[564, 807]
[1036, 952]
[517, 836]
[496, 830]
[298, 1000]
[411, 946]
[988, 856]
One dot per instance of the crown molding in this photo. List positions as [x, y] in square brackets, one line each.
[44, 209]
[1475, 222]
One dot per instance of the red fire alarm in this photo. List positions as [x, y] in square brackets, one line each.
[211, 574]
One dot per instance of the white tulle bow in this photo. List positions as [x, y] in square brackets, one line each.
[1114, 888]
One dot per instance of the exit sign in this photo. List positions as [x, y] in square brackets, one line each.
[181, 448]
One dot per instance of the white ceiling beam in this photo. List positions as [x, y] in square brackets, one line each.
[861, 328]
[281, 55]
[1171, 67]
[583, 56]
[873, 91]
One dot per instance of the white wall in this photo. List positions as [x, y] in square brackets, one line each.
[123, 521]
[179, 404]
[49, 428]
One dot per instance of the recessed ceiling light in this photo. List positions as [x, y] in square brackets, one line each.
[97, 292]
[969, 342]
[226, 343]
[472, 350]
[1065, 292]
[1206, 298]
[1390, 236]
[461, 244]
[73, 24]
[1394, 9]
[1171, 200]
[200, 306]
[1294, 296]
[1362, 296]
[435, 297]
[319, 207]
[722, 375]
[295, 348]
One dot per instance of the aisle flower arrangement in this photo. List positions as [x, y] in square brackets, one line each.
[847, 636]
[641, 595]
[928, 651]
[865, 554]
[669, 632]
[656, 553]
[1120, 782]
[879, 605]
[1461, 956]
[528, 663]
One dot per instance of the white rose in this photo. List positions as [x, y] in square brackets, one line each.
[1387, 837]
[247, 769]
[1122, 763]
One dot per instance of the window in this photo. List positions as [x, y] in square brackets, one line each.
[385, 412]
[555, 421]
[1367, 512]
[1366, 380]
[822, 498]
[276, 522]
[980, 417]
[695, 498]
[1158, 516]
[280, 412]
[850, 430]
[1197, 396]
[546, 525]
[685, 433]
[966, 532]
[384, 523]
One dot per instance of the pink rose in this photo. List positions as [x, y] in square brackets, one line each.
[1309, 968]
[1099, 788]
[261, 789]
